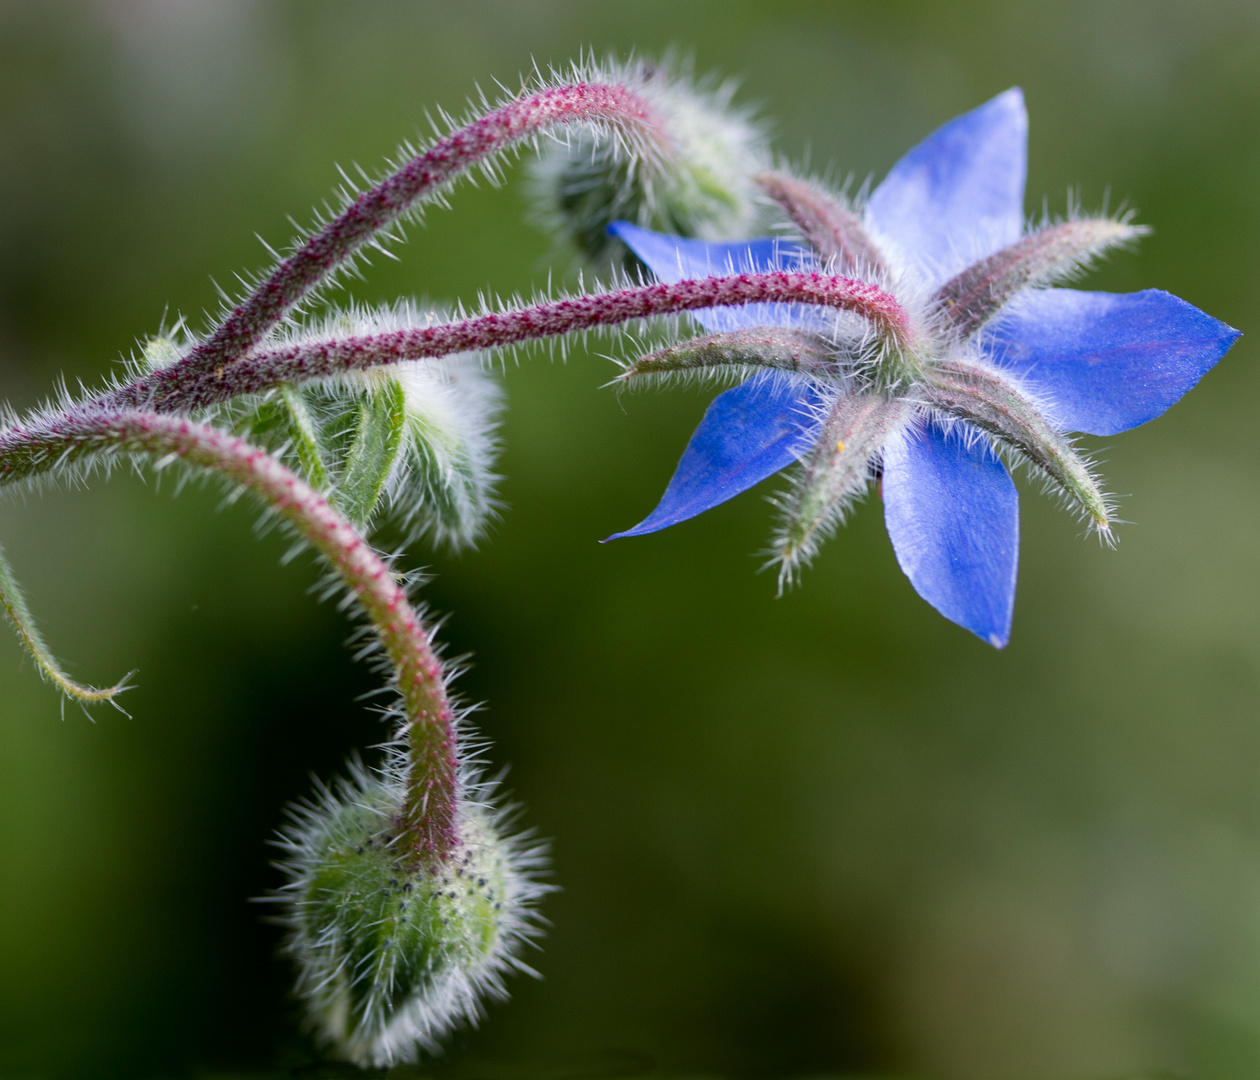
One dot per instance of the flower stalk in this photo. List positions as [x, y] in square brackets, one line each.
[184, 386]
[385, 203]
[428, 820]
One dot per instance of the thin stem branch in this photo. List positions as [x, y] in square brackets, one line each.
[386, 202]
[429, 819]
[184, 386]
[13, 601]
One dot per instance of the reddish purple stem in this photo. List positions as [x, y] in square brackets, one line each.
[382, 205]
[182, 386]
[428, 820]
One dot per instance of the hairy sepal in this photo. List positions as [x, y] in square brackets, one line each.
[284, 420]
[443, 479]
[997, 406]
[418, 439]
[826, 223]
[736, 355]
[832, 475]
[1054, 253]
[377, 436]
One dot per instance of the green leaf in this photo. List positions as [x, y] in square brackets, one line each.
[378, 435]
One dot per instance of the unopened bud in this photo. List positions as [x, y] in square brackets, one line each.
[693, 179]
[392, 952]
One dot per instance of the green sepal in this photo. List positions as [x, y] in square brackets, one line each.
[832, 475]
[304, 436]
[445, 485]
[378, 435]
[984, 398]
[737, 353]
[969, 300]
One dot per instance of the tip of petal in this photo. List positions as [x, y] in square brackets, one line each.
[998, 642]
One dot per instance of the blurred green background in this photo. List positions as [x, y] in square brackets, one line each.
[824, 834]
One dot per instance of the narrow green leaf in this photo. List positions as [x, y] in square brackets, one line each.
[14, 604]
[377, 437]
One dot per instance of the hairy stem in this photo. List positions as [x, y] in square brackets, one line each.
[428, 822]
[14, 604]
[385, 203]
[184, 385]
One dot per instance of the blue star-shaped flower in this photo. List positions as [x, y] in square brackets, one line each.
[997, 362]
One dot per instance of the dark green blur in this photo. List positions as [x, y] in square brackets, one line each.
[824, 834]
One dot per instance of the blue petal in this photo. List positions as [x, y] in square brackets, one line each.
[748, 433]
[676, 258]
[959, 194]
[1107, 362]
[953, 518]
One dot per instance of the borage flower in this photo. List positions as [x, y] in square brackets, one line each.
[977, 361]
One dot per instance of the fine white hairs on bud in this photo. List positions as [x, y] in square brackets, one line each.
[443, 481]
[695, 179]
[417, 438]
[393, 954]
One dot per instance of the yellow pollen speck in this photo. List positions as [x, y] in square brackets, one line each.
[840, 446]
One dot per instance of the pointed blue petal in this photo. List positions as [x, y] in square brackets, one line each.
[1107, 362]
[953, 518]
[749, 432]
[676, 258]
[959, 194]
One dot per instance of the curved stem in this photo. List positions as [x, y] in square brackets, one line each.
[386, 202]
[183, 386]
[428, 822]
[13, 601]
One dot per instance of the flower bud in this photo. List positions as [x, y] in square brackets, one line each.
[159, 351]
[417, 438]
[443, 482]
[392, 952]
[694, 179]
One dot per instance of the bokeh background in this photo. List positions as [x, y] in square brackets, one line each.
[824, 834]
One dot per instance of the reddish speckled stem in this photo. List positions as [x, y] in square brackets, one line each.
[428, 820]
[382, 205]
[183, 387]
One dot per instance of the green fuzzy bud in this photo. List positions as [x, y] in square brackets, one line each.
[443, 481]
[159, 351]
[694, 179]
[377, 429]
[392, 951]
